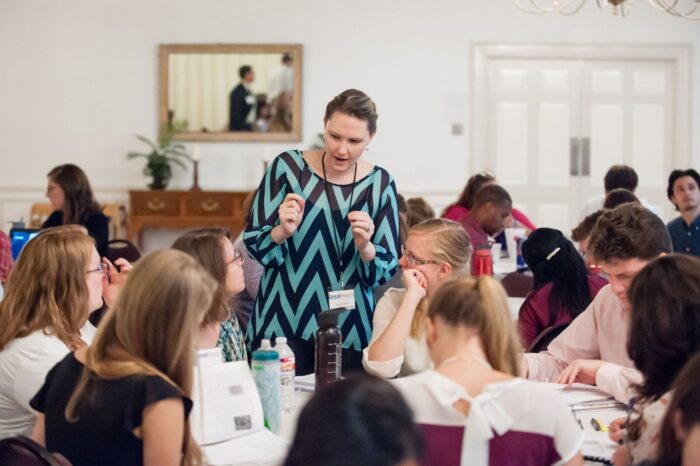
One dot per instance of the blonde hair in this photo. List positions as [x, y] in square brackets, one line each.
[448, 243]
[150, 330]
[480, 303]
[47, 288]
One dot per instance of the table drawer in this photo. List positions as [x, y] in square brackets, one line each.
[207, 205]
[155, 204]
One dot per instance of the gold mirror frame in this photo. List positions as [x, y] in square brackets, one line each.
[295, 50]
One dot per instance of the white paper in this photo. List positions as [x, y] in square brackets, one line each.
[226, 403]
[260, 448]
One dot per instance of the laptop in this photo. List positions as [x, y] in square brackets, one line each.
[19, 237]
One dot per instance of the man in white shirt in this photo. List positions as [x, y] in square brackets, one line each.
[593, 349]
[618, 176]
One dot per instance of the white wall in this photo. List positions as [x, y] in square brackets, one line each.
[79, 77]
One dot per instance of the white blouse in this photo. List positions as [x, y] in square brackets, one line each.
[515, 405]
[24, 363]
[415, 357]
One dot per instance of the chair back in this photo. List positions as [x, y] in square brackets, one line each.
[542, 341]
[38, 214]
[517, 284]
[19, 450]
[117, 248]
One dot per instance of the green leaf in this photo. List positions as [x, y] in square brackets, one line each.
[147, 141]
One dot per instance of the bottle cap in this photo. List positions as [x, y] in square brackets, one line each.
[265, 352]
[265, 344]
[329, 318]
[279, 340]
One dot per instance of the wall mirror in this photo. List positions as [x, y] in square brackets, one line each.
[229, 92]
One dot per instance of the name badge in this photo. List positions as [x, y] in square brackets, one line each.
[341, 298]
[250, 99]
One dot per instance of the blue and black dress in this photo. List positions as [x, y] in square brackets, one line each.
[299, 273]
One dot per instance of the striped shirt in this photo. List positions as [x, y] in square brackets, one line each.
[300, 272]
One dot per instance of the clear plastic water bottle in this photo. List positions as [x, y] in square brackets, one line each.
[265, 366]
[287, 372]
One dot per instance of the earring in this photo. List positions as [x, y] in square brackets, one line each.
[366, 148]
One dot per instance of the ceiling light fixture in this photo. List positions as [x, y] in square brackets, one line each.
[688, 9]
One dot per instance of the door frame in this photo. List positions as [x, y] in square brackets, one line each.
[677, 55]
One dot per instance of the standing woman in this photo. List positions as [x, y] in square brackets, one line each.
[73, 202]
[324, 220]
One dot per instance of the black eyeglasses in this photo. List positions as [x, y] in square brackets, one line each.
[238, 257]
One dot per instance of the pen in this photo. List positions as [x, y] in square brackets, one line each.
[598, 426]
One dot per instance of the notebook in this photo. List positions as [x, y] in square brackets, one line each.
[19, 237]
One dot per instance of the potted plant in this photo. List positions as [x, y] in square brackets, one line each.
[161, 157]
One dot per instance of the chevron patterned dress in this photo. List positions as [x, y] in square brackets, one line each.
[299, 272]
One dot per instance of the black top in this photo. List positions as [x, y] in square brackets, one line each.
[97, 225]
[103, 432]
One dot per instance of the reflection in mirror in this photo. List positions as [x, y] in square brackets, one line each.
[231, 92]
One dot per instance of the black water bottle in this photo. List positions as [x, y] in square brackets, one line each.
[329, 348]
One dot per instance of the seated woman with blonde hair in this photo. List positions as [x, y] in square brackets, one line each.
[435, 250]
[57, 282]
[473, 408]
[125, 399]
[212, 248]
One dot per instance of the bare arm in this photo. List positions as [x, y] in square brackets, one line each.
[162, 430]
[575, 461]
[392, 341]
[39, 431]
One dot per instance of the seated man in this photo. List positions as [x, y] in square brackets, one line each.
[684, 192]
[593, 349]
[618, 176]
[487, 217]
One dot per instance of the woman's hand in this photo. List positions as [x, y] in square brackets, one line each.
[621, 457]
[290, 212]
[616, 429]
[114, 279]
[362, 227]
[415, 283]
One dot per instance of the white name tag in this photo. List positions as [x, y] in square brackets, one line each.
[250, 99]
[341, 299]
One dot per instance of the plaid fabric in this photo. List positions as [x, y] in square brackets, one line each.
[5, 257]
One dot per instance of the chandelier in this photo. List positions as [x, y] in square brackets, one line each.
[679, 8]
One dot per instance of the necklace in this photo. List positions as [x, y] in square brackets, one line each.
[454, 359]
[339, 243]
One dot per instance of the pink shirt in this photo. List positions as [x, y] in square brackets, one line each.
[599, 332]
[455, 212]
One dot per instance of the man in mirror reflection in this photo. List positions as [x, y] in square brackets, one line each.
[242, 102]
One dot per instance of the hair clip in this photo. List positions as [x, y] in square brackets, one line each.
[553, 253]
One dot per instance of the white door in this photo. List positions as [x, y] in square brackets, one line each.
[553, 127]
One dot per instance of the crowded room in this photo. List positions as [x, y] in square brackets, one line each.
[230, 236]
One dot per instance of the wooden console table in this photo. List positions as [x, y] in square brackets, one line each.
[184, 209]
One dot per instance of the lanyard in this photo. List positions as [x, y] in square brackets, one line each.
[339, 243]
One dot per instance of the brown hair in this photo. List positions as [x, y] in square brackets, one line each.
[150, 330]
[356, 104]
[206, 246]
[620, 176]
[475, 182]
[686, 403]
[619, 196]
[448, 243]
[626, 232]
[494, 194]
[480, 303]
[80, 202]
[418, 211]
[583, 230]
[47, 289]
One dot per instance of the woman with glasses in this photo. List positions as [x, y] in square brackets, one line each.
[435, 251]
[212, 248]
[57, 282]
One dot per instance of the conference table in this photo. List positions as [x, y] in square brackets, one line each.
[587, 403]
